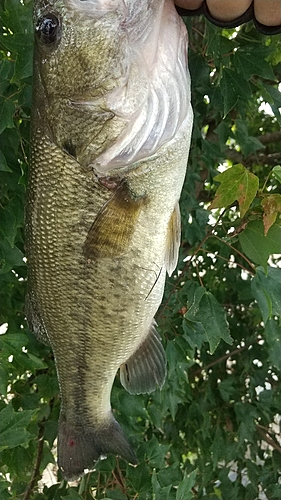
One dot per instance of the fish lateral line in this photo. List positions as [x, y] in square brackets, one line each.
[157, 276]
[154, 284]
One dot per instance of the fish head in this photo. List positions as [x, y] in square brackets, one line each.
[80, 55]
[78, 46]
[110, 78]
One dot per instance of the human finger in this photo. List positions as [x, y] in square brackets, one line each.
[228, 11]
[189, 4]
[268, 13]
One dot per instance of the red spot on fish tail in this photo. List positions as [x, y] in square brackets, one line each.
[71, 442]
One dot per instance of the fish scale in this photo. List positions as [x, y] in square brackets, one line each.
[100, 238]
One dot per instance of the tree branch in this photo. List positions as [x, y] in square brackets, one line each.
[198, 371]
[266, 159]
[260, 157]
[36, 470]
[268, 439]
[270, 137]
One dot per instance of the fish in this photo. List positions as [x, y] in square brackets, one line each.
[110, 137]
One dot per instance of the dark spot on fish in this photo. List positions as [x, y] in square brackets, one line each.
[71, 442]
[69, 147]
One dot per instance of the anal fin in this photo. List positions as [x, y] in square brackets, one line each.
[145, 370]
[173, 240]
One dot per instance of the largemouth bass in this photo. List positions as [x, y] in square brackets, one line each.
[111, 129]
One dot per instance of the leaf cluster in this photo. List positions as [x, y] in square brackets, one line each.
[214, 429]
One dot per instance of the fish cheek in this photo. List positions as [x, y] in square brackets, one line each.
[112, 230]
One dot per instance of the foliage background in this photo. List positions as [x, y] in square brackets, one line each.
[214, 429]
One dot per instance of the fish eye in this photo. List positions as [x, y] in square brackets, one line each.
[48, 28]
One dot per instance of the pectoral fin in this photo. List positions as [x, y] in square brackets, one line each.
[145, 370]
[114, 226]
[173, 240]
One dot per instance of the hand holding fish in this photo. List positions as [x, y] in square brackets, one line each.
[266, 14]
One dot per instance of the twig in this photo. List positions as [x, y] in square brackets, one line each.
[218, 256]
[23, 151]
[118, 476]
[235, 250]
[36, 471]
[268, 439]
[198, 274]
[198, 371]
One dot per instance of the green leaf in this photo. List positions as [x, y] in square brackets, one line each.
[272, 333]
[213, 319]
[227, 389]
[3, 164]
[256, 245]
[247, 143]
[232, 87]
[156, 452]
[9, 257]
[17, 16]
[184, 491]
[277, 172]
[207, 311]
[72, 494]
[272, 207]
[4, 377]
[7, 109]
[36, 363]
[13, 425]
[249, 62]
[266, 290]
[22, 45]
[246, 415]
[159, 493]
[275, 102]
[237, 184]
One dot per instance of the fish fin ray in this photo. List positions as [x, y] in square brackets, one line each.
[145, 370]
[113, 228]
[79, 447]
[173, 240]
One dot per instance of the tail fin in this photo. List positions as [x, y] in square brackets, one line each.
[79, 447]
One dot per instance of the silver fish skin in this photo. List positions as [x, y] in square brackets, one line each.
[111, 126]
